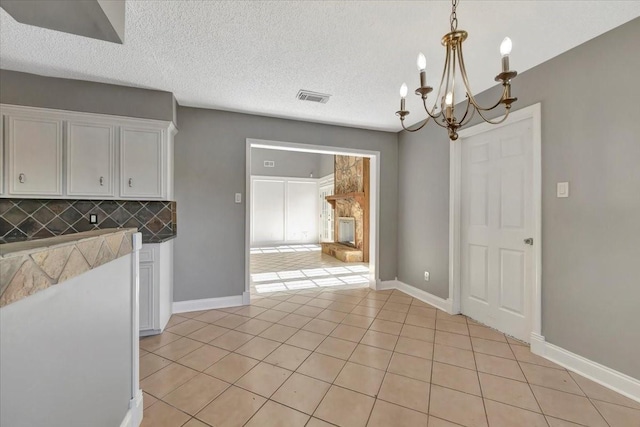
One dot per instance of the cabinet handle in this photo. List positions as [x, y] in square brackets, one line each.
[101, 180]
[22, 178]
[130, 182]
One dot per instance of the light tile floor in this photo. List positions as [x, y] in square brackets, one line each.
[356, 357]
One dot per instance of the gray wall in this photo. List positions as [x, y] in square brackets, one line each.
[66, 352]
[288, 163]
[590, 250]
[79, 95]
[327, 166]
[210, 168]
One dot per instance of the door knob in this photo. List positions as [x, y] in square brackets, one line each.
[528, 241]
[22, 178]
[101, 180]
[130, 182]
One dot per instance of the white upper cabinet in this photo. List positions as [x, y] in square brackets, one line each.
[141, 162]
[90, 159]
[35, 156]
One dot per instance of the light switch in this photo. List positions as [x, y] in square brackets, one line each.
[562, 189]
[238, 197]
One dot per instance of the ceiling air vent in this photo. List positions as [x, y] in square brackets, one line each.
[306, 95]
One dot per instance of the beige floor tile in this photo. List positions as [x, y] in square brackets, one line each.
[453, 327]
[316, 422]
[416, 348]
[305, 339]
[341, 306]
[264, 302]
[423, 311]
[410, 366]
[447, 404]
[203, 357]
[386, 326]
[453, 340]
[386, 414]
[323, 327]
[404, 391]
[231, 321]
[231, 367]
[301, 392]
[336, 347]
[208, 333]
[567, 406]
[156, 341]
[193, 314]
[362, 379]
[550, 378]
[439, 422]
[501, 415]
[175, 320]
[299, 299]
[400, 308]
[373, 303]
[193, 422]
[357, 320]
[211, 316]
[332, 316]
[322, 303]
[162, 415]
[424, 322]
[151, 363]
[371, 356]
[273, 414]
[271, 315]
[167, 379]
[250, 311]
[195, 394]
[232, 408]
[148, 400]
[457, 378]
[492, 348]
[258, 348]
[289, 307]
[187, 327]
[486, 333]
[345, 408]
[363, 310]
[309, 311]
[499, 366]
[450, 318]
[508, 391]
[295, 320]
[598, 392]
[401, 299]
[618, 416]
[379, 339]
[392, 316]
[513, 341]
[555, 422]
[322, 367]
[178, 348]
[454, 356]
[349, 333]
[279, 333]
[263, 379]
[231, 340]
[418, 333]
[254, 326]
[523, 354]
[288, 357]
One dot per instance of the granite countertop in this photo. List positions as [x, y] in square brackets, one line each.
[32, 266]
[158, 238]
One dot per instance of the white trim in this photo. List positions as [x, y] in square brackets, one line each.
[133, 417]
[207, 303]
[603, 375]
[424, 296]
[531, 112]
[246, 298]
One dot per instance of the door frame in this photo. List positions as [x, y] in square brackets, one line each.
[455, 175]
[374, 200]
[325, 181]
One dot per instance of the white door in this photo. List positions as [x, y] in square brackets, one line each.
[141, 154]
[267, 211]
[326, 214]
[497, 270]
[90, 159]
[302, 212]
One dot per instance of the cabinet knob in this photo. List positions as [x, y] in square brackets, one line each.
[101, 180]
[22, 178]
[130, 182]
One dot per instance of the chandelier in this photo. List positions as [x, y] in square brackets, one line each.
[454, 63]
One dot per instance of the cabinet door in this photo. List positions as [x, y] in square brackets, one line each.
[146, 296]
[35, 156]
[90, 159]
[141, 163]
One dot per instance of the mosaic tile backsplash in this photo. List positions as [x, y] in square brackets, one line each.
[28, 219]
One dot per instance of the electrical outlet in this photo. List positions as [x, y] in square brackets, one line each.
[238, 197]
[426, 276]
[93, 218]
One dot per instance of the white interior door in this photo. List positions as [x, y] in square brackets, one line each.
[326, 214]
[302, 212]
[496, 215]
[268, 210]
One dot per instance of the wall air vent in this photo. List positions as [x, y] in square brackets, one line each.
[269, 164]
[306, 95]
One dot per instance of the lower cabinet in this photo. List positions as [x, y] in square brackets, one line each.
[156, 286]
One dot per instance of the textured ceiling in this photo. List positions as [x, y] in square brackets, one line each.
[254, 56]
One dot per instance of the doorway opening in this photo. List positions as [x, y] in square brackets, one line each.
[292, 219]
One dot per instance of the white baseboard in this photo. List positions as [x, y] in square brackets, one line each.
[133, 417]
[424, 296]
[207, 304]
[605, 376]
[246, 298]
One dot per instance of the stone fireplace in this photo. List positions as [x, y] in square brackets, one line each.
[347, 231]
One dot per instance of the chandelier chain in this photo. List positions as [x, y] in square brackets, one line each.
[453, 20]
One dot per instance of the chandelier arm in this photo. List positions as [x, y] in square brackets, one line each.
[463, 71]
[466, 111]
[430, 113]
[418, 128]
[463, 122]
[506, 114]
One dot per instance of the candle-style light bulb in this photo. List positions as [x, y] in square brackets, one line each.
[448, 111]
[505, 47]
[449, 99]
[403, 91]
[421, 62]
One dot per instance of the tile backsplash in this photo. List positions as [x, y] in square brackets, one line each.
[27, 219]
